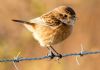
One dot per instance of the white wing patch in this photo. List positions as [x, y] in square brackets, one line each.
[37, 21]
[34, 21]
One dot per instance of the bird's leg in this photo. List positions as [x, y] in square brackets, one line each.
[57, 54]
[51, 54]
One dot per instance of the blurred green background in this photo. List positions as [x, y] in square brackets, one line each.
[15, 38]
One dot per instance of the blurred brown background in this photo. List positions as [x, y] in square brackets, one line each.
[15, 38]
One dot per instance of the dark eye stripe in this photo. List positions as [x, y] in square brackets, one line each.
[60, 14]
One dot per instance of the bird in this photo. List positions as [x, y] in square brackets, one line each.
[52, 27]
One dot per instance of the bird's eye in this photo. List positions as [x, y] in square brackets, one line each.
[65, 15]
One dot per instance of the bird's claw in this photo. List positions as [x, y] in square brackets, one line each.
[59, 56]
[51, 55]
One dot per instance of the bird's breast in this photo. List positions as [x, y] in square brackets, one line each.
[50, 36]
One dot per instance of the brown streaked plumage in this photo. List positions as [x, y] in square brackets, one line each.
[53, 27]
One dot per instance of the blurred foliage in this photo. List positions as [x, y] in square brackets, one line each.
[16, 38]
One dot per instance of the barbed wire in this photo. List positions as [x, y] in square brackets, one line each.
[19, 59]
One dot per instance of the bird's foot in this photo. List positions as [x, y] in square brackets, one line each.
[51, 55]
[59, 56]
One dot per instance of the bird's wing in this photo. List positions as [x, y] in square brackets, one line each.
[38, 20]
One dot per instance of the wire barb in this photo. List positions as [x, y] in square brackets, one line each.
[16, 60]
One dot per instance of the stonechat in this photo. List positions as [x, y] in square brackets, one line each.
[52, 28]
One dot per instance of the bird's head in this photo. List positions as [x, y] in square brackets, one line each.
[65, 14]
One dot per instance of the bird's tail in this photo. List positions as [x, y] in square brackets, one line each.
[22, 21]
